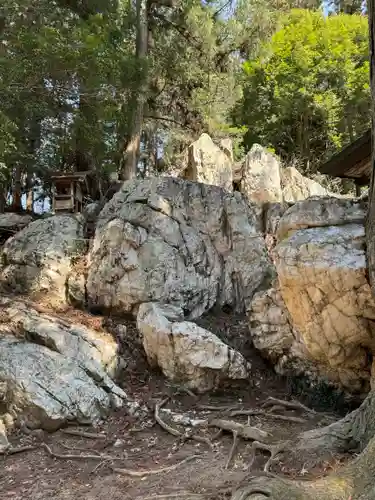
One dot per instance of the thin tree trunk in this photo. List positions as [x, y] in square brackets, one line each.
[17, 190]
[131, 153]
[370, 230]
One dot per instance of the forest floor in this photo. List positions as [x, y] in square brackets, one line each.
[191, 469]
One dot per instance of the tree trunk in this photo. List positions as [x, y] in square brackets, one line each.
[131, 153]
[370, 230]
[17, 190]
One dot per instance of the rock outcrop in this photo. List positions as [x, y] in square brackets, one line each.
[296, 187]
[330, 313]
[186, 353]
[53, 371]
[38, 259]
[176, 242]
[209, 164]
[261, 182]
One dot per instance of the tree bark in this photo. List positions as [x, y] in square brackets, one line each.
[131, 153]
[370, 230]
[17, 190]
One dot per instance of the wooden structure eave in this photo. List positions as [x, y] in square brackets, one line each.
[353, 162]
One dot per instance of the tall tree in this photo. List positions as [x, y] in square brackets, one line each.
[307, 94]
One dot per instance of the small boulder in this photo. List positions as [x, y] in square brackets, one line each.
[186, 353]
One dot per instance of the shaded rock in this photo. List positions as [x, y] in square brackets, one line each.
[261, 181]
[321, 212]
[53, 371]
[4, 443]
[209, 164]
[322, 276]
[186, 353]
[296, 186]
[38, 259]
[14, 222]
[273, 333]
[172, 241]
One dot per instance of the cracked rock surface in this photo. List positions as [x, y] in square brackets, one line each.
[322, 275]
[38, 259]
[53, 371]
[186, 353]
[171, 241]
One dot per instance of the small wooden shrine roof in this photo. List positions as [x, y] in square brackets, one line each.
[353, 162]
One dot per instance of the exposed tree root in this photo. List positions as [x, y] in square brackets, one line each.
[233, 449]
[244, 431]
[175, 432]
[353, 482]
[142, 473]
[85, 434]
[61, 456]
[262, 413]
[20, 449]
[280, 404]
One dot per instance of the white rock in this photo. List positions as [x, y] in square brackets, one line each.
[209, 164]
[261, 181]
[297, 187]
[173, 241]
[186, 353]
[37, 260]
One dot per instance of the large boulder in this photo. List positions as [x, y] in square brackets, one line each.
[186, 353]
[209, 164]
[296, 186]
[53, 371]
[172, 241]
[261, 181]
[321, 270]
[321, 212]
[38, 259]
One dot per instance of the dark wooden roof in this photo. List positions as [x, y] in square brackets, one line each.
[353, 162]
[71, 176]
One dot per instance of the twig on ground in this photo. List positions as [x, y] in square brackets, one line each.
[275, 416]
[291, 405]
[181, 494]
[79, 457]
[243, 431]
[217, 408]
[77, 448]
[175, 432]
[141, 473]
[20, 449]
[233, 449]
[85, 434]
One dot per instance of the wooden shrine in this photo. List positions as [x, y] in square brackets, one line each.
[69, 190]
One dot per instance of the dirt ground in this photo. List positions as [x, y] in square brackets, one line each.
[141, 445]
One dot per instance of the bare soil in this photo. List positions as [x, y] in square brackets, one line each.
[141, 444]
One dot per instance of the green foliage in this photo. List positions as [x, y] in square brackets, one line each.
[307, 94]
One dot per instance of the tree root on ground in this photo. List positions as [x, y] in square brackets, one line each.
[354, 481]
[150, 472]
[175, 432]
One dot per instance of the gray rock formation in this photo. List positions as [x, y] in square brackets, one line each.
[186, 353]
[171, 241]
[53, 371]
[37, 260]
